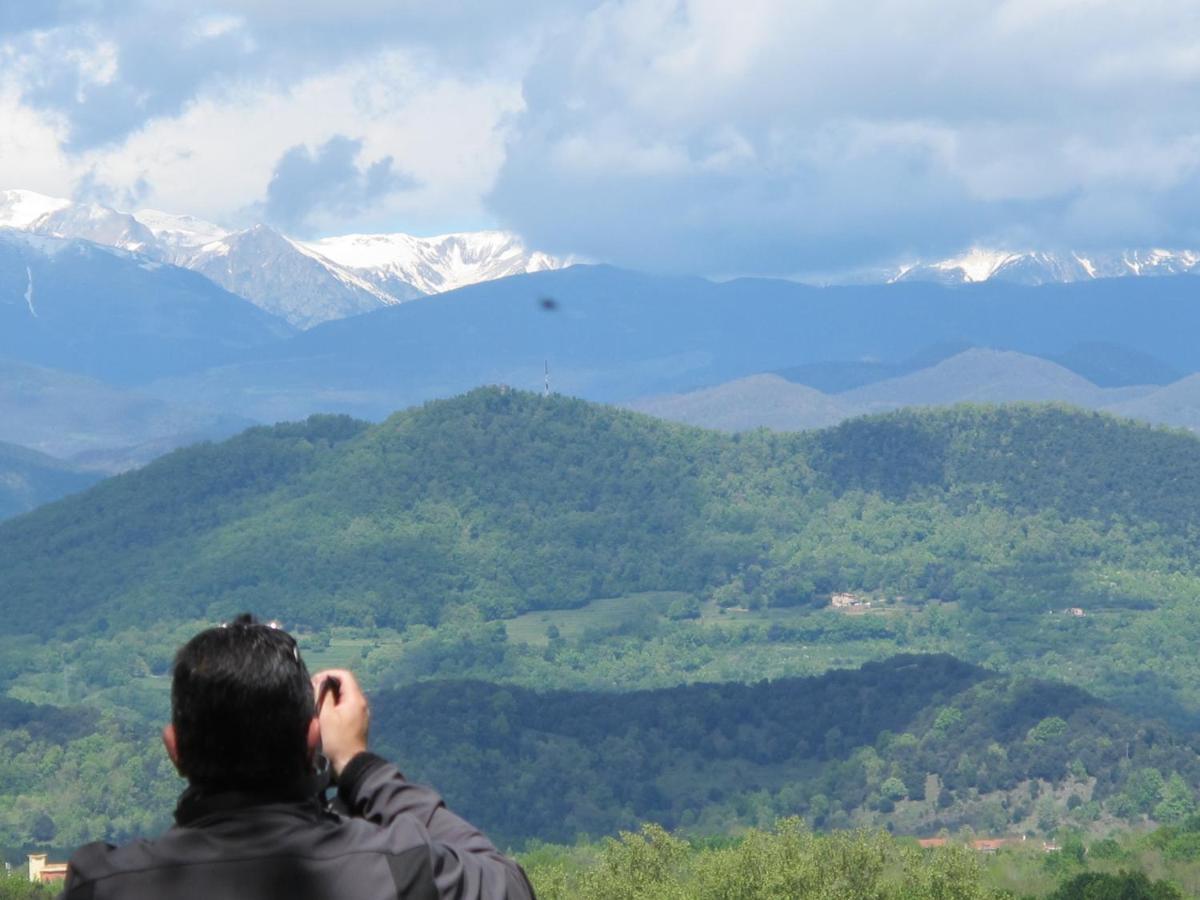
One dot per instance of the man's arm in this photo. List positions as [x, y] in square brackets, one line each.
[466, 864]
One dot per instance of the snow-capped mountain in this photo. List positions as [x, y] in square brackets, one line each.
[272, 271]
[21, 209]
[53, 217]
[283, 277]
[395, 262]
[1035, 267]
[304, 283]
[259, 264]
[183, 234]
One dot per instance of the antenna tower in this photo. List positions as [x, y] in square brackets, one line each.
[546, 387]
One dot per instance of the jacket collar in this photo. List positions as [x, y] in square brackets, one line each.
[199, 801]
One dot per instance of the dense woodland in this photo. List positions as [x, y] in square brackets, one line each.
[510, 502]
[916, 744]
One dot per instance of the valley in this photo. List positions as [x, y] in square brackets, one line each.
[743, 451]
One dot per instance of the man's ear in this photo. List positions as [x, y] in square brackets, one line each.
[172, 746]
[314, 736]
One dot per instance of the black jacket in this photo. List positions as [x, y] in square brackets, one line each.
[399, 841]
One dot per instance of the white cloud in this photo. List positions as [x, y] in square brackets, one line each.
[217, 156]
[767, 135]
[209, 27]
[855, 133]
[30, 147]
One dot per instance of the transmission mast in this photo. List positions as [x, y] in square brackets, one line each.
[546, 387]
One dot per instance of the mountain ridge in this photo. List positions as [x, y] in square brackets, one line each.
[617, 336]
[1033, 267]
[304, 282]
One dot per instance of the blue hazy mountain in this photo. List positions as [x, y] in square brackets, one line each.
[1113, 365]
[76, 306]
[614, 335]
[1104, 364]
[835, 376]
[976, 375]
[28, 479]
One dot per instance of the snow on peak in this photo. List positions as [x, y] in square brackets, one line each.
[304, 282]
[435, 264]
[180, 231]
[1040, 267]
[977, 264]
[22, 209]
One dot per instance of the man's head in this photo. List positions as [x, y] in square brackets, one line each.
[241, 708]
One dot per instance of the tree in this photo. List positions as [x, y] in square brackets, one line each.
[1122, 886]
[893, 789]
[1177, 802]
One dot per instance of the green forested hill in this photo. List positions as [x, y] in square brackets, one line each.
[913, 743]
[510, 501]
[1022, 459]
[921, 742]
[550, 543]
[499, 499]
[507, 501]
[971, 530]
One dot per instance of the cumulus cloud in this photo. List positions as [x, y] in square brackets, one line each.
[109, 67]
[106, 78]
[766, 136]
[778, 137]
[329, 180]
[220, 150]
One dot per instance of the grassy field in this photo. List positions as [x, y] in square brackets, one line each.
[606, 615]
[618, 643]
[610, 614]
[346, 648]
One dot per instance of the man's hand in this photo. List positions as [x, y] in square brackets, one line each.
[343, 715]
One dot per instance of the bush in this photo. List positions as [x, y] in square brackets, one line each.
[1122, 886]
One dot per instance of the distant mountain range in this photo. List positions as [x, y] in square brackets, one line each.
[202, 358]
[1040, 267]
[619, 336]
[303, 283]
[401, 263]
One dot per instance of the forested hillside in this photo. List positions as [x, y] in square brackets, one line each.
[514, 502]
[916, 744]
[971, 529]
[500, 499]
[920, 743]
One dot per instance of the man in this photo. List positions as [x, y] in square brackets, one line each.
[245, 732]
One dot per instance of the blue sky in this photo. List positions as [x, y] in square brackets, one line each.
[764, 136]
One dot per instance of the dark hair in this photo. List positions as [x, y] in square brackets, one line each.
[241, 703]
